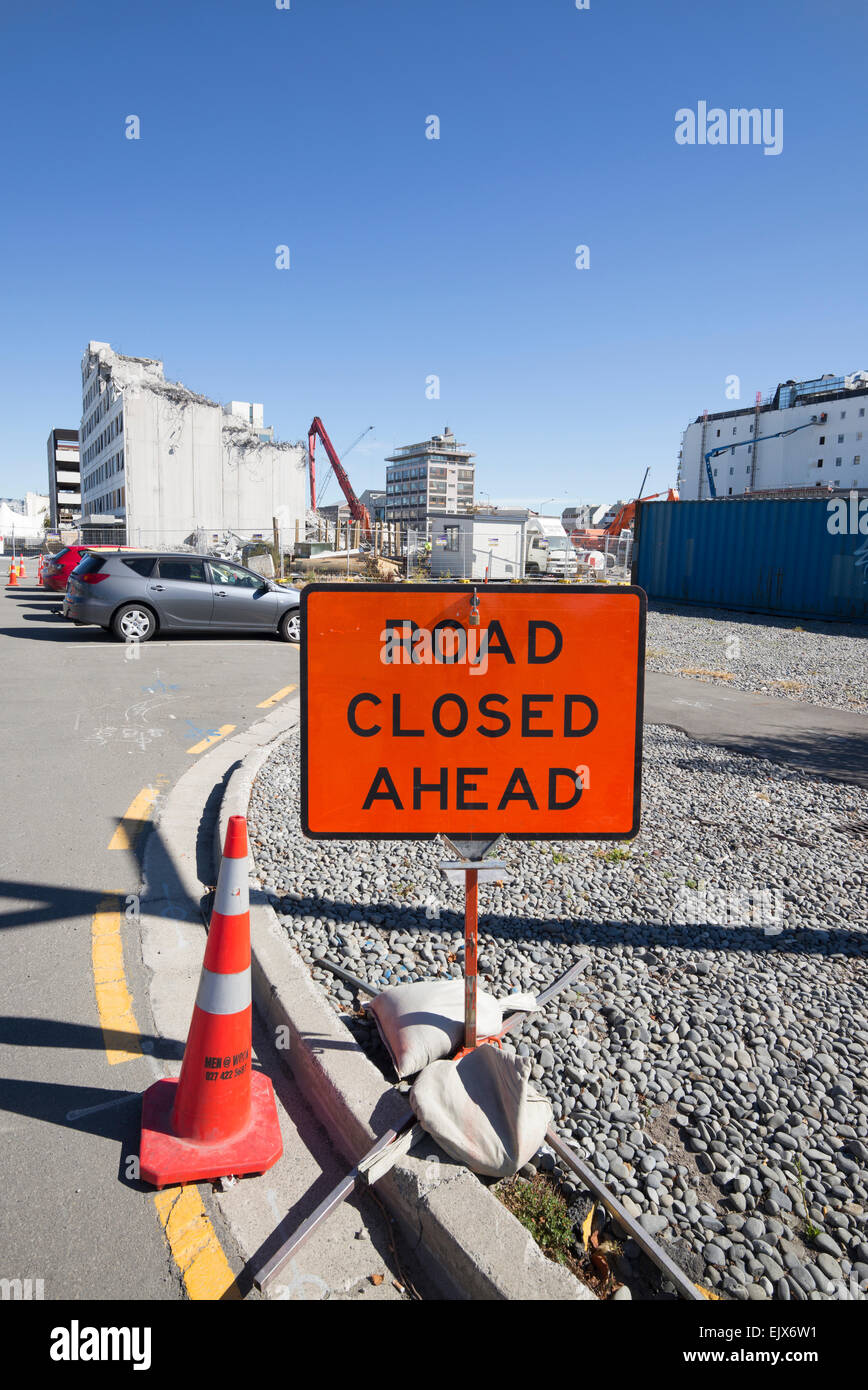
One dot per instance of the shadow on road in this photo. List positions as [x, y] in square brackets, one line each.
[24, 1031]
[92, 1109]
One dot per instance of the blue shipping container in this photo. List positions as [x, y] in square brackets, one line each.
[781, 555]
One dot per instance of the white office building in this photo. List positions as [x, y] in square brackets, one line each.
[163, 463]
[807, 434]
[434, 477]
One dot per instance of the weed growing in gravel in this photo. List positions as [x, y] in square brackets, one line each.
[704, 671]
[541, 1208]
[558, 856]
[612, 856]
[811, 1231]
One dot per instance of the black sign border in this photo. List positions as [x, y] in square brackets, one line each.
[609, 590]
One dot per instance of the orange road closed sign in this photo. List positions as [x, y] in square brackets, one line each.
[418, 721]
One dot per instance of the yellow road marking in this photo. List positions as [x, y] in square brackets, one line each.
[113, 1000]
[212, 738]
[275, 699]
[137, 815]
[194, 1245]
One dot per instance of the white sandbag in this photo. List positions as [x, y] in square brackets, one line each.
[482, 1110]
[424, 1021]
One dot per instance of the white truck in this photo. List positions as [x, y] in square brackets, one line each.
[548, 549]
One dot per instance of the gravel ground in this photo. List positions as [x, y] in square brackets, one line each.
[711, 1065]
[815, 663]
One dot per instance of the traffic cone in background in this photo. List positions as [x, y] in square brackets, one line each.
[219, 1117]
[22, 573]
[13, 576]
[39, 572]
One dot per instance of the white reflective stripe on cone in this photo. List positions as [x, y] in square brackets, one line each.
[232, 896]
[223, 994]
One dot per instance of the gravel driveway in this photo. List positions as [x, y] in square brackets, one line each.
[815, 663]
[712, 1064]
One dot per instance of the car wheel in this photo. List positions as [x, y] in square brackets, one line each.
[290, 626]
[134, 623]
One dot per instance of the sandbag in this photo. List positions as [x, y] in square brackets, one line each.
[482, 1110]
[424, 1021]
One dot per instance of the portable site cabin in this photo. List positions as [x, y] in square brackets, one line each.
[477, 547]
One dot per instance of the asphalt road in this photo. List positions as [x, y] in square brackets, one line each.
[83, 731]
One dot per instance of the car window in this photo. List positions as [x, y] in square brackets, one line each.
[90, 564]
[142, 567]
[231, 574]
[190, 571]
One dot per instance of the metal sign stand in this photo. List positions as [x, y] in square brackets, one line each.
[392, 1145]
[472, 866]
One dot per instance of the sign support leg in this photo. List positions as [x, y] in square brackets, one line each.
[471, 937]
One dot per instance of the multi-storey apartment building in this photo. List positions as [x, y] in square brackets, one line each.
[64, 477]
[436, 476]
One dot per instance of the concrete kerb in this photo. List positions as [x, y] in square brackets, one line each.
[478, 1250]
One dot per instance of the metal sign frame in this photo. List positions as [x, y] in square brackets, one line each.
[453, 832]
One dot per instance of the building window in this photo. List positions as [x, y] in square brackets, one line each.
[718, 434]
[822, 439]
[857, 458]
[840, 439]
[819, 463]
[452, 542]
[837, 463]
[733, 429]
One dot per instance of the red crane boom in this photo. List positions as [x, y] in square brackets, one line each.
[358, 511]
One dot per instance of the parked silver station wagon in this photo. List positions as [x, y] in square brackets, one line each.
[135, 594]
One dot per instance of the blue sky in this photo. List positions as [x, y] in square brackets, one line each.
[413, 257]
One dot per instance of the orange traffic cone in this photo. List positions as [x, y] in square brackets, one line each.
[219, 1117]
[22, 573]
[13, 576]
[39, 573]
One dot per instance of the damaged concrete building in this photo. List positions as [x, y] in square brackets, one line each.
[164, 465]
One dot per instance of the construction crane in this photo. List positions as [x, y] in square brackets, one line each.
[725, 448]
[358, 511]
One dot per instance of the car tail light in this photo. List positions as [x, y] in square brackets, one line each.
[91, 578]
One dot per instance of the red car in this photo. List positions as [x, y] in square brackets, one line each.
[59, 567]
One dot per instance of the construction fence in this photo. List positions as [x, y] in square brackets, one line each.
[311, 536]
[426, 555]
